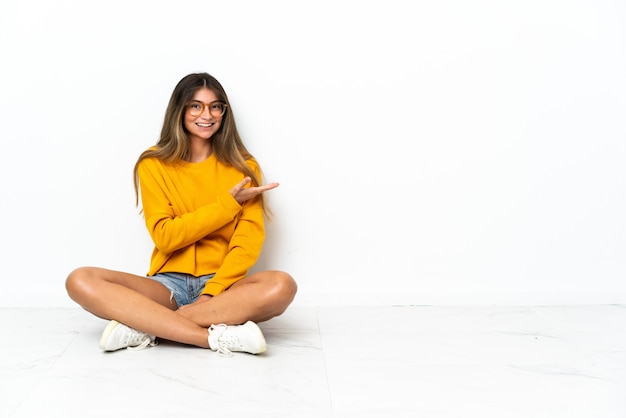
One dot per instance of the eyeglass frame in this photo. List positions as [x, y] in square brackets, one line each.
[205, 106]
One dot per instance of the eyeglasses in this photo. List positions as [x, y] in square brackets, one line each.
[216, 109]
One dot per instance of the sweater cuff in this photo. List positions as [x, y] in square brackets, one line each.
[213, 288]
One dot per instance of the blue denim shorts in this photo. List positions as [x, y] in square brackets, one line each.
[185, 288]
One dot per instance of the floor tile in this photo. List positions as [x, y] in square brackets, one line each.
[455, 361]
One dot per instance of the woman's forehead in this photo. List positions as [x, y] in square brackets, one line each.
[205, 95]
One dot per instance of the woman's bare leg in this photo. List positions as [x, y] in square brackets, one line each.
[146, 305]
[258, 297]
[136, 301]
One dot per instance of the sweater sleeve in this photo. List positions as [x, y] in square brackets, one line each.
[243, 250]
[169, 231]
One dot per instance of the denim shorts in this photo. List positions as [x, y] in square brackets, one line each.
[185, 288]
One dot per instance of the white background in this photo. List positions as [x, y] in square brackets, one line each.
[428, 151]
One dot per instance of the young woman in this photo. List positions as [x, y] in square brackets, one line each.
[202, 199]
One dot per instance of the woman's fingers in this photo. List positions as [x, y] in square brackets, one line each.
[239, 186]
[242, 194]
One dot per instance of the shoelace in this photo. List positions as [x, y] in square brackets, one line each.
[223, 343]
[147, 341]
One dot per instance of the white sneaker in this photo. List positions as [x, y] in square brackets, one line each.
[247, 338]
[117, 336]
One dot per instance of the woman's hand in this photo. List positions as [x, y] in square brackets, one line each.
[242, 194]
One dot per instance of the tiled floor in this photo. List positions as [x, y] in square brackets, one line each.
[361, 362]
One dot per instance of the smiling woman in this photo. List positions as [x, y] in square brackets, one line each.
[202, 200]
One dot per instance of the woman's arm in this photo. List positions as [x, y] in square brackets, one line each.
[245, 245]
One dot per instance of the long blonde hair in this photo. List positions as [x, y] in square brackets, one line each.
[173, 143]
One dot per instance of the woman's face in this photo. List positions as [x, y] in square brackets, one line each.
[202, 116]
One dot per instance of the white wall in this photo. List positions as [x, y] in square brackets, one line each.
[428, 152]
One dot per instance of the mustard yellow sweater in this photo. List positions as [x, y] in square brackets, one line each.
[196, 225]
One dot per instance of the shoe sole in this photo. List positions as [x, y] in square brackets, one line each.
[107, 333]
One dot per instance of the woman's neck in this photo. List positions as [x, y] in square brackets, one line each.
[200, 150]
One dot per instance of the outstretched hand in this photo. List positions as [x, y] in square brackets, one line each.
[243, 194]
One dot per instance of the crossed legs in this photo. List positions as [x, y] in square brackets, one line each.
[146, 305]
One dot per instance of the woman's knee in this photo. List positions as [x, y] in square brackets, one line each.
[79, 281]
[283, 286]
